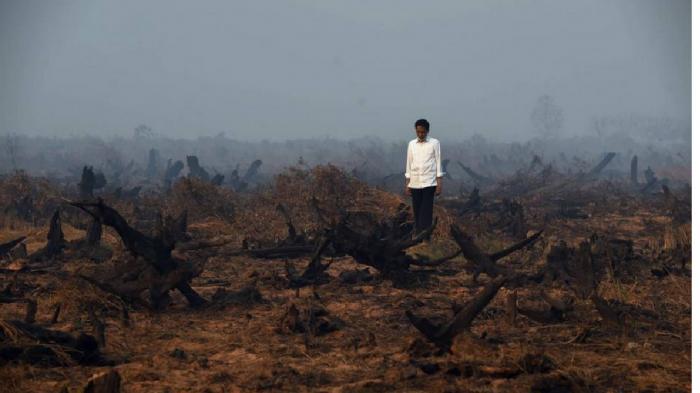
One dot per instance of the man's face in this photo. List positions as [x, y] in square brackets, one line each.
[421, 133]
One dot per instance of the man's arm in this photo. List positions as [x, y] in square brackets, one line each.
[409, 161]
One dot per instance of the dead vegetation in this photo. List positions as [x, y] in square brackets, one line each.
[539, 282]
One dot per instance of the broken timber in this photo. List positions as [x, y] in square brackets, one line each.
[171, 271]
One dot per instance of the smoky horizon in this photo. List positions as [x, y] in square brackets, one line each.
[509, 71]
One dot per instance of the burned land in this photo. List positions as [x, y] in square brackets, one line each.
[537, 277]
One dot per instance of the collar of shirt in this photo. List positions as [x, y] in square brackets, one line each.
[427, 139]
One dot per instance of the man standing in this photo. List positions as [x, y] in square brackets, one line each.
[423, 175]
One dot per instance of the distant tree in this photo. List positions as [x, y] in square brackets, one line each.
[12, 148]
[547, 117]
[143, 131]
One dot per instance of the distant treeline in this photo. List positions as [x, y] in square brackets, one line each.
[368, 158]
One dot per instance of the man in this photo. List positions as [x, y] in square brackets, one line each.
[423, 175]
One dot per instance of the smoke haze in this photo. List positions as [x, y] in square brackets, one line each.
[304, 69]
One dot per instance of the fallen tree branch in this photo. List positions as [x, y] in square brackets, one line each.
[443, 335]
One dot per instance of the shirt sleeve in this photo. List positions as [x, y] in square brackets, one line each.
[438, 158]
[409, 161]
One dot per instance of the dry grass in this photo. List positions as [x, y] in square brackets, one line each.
[244, 348]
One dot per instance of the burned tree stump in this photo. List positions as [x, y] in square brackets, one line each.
[310, 318]
[379, 244]
[170, 272]
[55, 240]
[153, 163]
[236, 181]
[575, 267]
[172, 172]
[252, 171]
[651, 180]
[196, 170]
[512, 218]
[89, 182]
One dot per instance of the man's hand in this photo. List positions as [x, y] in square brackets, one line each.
[438, 188]
[407, 191]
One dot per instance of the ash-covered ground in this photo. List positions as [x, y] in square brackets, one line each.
[542, 280]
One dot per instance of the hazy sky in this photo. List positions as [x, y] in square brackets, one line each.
[285, 69]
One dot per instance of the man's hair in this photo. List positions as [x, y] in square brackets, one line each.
[422, 122]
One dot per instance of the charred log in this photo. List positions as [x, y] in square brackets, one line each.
[172, 272]
[315, 272]
[293, 246]
[445, 164]
[33, 344]
[94, 233]
[478, 179]
[5, 248]
[443, 334]
[601, 165]
[486, 263]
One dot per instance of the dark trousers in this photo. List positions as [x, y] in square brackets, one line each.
[422, 207]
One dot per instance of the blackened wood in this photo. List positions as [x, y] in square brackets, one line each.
[6, 247]
[56, 241]
[30, 313]
[601, 165]
[94, 233]
[443, 335]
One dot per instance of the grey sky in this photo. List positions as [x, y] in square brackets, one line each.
[285, 69]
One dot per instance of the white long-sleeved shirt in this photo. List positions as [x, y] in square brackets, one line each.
[423, 163]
